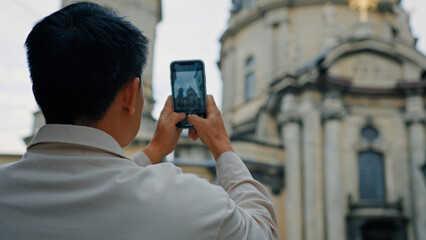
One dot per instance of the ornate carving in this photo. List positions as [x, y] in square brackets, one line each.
[368, 70]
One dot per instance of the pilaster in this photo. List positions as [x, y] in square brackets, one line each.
[333, 113]
[290, 134]
[313, 196]
[415, 118]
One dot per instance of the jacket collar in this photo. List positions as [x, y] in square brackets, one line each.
[78, 135]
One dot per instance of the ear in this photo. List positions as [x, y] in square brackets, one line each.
[129, 95]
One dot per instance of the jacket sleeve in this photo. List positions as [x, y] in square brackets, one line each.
[141, 159]
[249, 211]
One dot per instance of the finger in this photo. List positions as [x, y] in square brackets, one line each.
[210, 99]
[168, 105]
[194, 119]
[168, 102]
[192, 133]
[176, 117]
[211, 104]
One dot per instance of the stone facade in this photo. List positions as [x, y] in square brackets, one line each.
[345, 102]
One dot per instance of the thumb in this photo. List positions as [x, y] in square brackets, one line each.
[195, 120]
[174, 117]
[177, 117]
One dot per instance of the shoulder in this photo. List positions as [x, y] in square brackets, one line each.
[171, 178]
[184, 201]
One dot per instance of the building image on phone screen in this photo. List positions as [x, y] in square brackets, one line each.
[189, 88]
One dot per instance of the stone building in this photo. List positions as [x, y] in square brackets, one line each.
[338, 102]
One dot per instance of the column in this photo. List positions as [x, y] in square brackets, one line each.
[415, 116]
[313, 203]
[290, 130]
[334, 193]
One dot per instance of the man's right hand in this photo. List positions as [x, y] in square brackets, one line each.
[211, 130]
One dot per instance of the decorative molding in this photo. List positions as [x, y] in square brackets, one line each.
[255, 141]
[401, 88]
[412, 88]
[363, 204]
[345, 86]
[412, 119]
[333, 115]
[289, 117]
[376, 146]
[241, 129]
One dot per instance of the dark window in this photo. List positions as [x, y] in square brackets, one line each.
[250, 80]
[249, 62]
[371, 176]
[370, 133]
[249, 86]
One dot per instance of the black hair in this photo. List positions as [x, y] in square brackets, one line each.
[79, 58]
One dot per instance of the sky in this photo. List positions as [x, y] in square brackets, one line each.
[198, 22]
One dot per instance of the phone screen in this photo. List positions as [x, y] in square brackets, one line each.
[188, 89]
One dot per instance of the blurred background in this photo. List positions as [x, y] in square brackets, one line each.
[324, 101]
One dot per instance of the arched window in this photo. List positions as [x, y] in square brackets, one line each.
[250, 80]
[371, 176]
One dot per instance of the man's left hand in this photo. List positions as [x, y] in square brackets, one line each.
[166, 134]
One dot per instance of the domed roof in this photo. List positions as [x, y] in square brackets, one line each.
[238, 5]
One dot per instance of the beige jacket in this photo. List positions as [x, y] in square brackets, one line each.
[76, 182]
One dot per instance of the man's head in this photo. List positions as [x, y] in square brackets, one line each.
[79, 58]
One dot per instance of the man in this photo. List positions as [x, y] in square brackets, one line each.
[75, 182]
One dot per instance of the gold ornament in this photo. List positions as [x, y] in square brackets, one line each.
[363, 6]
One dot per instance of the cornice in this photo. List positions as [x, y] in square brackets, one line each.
[345, 85]
[245, 17]
[259, 12]
[235, 139]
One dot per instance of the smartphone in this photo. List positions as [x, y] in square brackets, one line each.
[188, 80]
